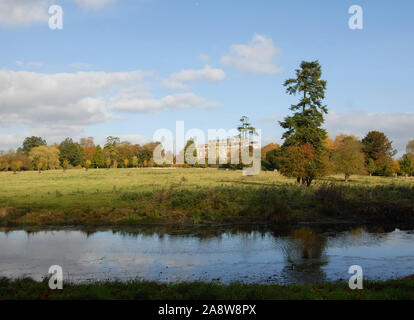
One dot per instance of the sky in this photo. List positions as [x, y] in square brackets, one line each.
[127, 68]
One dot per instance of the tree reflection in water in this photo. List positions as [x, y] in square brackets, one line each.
[304, 251]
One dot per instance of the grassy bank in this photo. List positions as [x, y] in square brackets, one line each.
[143, 290]
[136, 196]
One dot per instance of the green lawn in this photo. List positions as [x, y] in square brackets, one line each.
[128, 196]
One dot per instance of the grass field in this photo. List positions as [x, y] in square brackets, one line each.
[130, 196]
[25, 289]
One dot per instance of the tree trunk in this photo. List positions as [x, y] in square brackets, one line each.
[346, 177]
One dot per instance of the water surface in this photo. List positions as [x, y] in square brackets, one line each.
[226, 254]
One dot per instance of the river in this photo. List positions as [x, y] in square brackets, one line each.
[210, 253]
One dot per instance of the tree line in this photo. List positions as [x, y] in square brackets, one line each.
[306, 154]
[35, 154]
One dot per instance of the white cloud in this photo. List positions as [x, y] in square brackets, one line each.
[398, 126]
[180, 79]
[23, 12]
[255, 57]
[130, 103]
[56, 106]
[94, 4]
[64, 102]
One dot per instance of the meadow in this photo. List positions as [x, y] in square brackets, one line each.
[195, 195]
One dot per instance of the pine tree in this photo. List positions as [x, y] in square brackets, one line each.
[304, 126]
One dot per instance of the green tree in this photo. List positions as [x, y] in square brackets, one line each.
[378, 148]
[407, 165]
[246, 133]
[32, 142]
[273, 159]
[98, 159]
[71, 151]
[267, 150]
[348, 157]
[111, 148]
[371, 167]
[304, 127]
[246, 129]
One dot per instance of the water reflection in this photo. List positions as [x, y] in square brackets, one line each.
[304, 251]
[225, 253]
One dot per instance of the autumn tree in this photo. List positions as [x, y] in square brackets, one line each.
[135, 161]
[45, 157]
[108, 163]
[65, 164]
[378, 150]
[300, 162]
[7, 160]
[98, 159]
[304, 128]
[88, 164]
[88, 147]
[16, 166]
[347, 156]
[410, 148]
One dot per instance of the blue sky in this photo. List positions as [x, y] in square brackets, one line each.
[128, 67]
